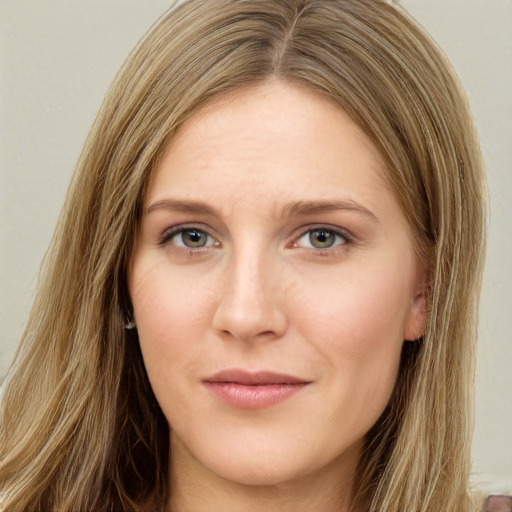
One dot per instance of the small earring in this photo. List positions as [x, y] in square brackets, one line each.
[130, 324]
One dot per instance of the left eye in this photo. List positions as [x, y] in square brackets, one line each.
[321, 238]
[192, 239]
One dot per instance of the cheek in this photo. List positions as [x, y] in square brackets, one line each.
[171, 314]
[359, 312]
[167, 303]
[356, 326]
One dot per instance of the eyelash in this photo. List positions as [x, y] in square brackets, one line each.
[329, 251]
[170, 233]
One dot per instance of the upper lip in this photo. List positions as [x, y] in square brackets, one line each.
[252, 378]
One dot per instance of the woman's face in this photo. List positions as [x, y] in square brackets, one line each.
[273, 283]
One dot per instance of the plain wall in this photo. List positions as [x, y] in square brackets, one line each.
[57, 60]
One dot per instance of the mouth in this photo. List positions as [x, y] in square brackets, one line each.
[253, 390]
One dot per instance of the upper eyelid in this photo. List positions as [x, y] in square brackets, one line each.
[171, 231]
[328, 227]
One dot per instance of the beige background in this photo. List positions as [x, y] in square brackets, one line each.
[57, 60]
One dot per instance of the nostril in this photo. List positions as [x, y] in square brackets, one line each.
[248, 316]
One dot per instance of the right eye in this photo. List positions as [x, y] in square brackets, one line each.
[189, 238]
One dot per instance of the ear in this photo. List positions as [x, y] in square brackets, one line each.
[415, 324]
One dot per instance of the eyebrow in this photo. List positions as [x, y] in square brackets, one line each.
[181, 206]
[296, 208]
[325, 206]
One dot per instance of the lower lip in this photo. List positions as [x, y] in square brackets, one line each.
[253, 397]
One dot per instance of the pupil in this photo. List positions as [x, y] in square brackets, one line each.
[322, 239]
[194, 238]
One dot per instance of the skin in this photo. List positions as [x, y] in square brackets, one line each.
[264, 168]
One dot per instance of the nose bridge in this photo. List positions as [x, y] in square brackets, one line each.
[251, 304]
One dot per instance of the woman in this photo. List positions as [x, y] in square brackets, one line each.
[261, 294]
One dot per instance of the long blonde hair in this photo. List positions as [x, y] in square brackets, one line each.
[80, 428]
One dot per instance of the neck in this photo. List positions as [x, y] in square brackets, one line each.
[194, 488]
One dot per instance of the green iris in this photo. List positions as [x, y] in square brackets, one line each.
[194, 238]
[322, 239]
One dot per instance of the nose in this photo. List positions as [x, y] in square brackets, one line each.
[251, 305]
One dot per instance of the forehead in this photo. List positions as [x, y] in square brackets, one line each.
[270, 143]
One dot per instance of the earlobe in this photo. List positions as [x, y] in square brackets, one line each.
[414, 328]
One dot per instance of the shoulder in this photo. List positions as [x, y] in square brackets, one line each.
[498, 503]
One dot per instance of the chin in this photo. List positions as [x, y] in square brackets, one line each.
[263, 462]
[271, 462]
[260, 473]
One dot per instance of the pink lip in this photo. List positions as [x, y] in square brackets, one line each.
[253, 390]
